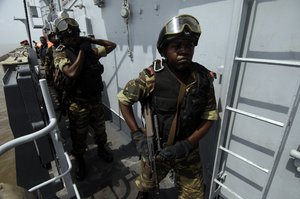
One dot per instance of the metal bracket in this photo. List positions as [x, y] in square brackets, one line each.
[221, 177]
[295, 154]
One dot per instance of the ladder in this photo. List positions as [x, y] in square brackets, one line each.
[243, 16]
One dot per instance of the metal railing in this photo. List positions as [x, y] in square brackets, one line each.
[28, 138]
[268, 61]
[51, 129]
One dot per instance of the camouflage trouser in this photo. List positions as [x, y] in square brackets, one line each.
[48, 74]
[83, 117]
[188, 175]
[15, 192]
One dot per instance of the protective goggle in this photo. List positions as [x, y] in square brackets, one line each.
[64, 24]
[177, 24]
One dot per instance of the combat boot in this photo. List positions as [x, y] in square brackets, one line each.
[105, 154]
[80, 168]
[142, 195]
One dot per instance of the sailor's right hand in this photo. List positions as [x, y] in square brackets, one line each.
[179, 150]
[140, 141]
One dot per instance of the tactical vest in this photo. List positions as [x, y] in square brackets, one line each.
[88, 85]
[164, 102]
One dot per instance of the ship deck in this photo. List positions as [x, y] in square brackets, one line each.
[116, 179]
[103, 180]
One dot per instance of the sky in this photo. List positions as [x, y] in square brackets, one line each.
[13, 31]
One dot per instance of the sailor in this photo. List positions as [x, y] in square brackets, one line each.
[42, 50]
[80, 64]
[24, 43]
[49, 60]
[181, 95]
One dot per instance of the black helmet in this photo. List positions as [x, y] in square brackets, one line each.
[181, 25]
[66, 27]
[49, 31]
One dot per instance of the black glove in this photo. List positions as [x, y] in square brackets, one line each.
[179, 150]
[140, 142]
[86, 47]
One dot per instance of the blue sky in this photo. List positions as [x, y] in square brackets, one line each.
[12, 31]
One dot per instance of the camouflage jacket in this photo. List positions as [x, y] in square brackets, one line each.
[139, 89]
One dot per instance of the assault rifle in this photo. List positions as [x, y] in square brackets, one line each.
[152, 134]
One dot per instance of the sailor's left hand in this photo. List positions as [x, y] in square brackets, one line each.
[140, 141]
[177, 151]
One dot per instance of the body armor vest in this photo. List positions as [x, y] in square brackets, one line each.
[88, 85]
[164, 102]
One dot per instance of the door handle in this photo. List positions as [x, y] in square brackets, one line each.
[295, 154]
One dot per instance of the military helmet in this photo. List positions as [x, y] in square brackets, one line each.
[66, 27]
[49, 30]
[181, 25]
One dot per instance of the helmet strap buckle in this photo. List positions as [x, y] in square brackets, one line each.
[157, 65]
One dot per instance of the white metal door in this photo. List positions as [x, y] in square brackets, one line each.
[259, 122]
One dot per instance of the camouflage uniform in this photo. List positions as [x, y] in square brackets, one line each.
[83, 113]
[15, 192]
[188, 170]
[42, 53]
[49, 64]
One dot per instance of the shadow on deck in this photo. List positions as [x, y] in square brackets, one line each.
[111, 180]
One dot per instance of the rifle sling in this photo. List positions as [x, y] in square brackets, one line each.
[172, 131]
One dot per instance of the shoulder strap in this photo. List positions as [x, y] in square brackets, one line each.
[157, 65]
[172, 131]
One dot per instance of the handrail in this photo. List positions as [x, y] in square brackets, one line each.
[268, 61]
[54, 178]
[27, 138]
[40, 133]
[49, 129]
